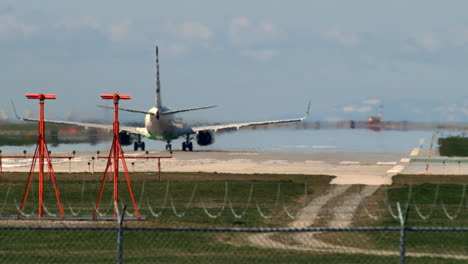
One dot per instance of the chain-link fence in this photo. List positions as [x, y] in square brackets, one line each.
[256, 219]
[95, 244]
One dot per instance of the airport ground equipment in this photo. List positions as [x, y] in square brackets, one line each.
[154, 157]
[147, 156]
[30, 157]
[40, 153]
[113, 159]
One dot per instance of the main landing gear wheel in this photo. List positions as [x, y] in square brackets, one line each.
[138, 144]
[187, 145]
[169, 146]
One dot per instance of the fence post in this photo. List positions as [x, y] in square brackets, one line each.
[403, 220]
[120, 218]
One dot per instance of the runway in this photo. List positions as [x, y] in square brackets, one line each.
[348, 167]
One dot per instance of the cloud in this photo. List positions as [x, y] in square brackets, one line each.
[86, 22]
[236, 26]
[458, 37]
[339, 34]
[352, 109]
[371, 101]
[177, 49]
[364, 109]
[417, 110]
[242, 31]
[116, 32]
[348, 109]
[452, 109]
[427, 40]
[119, 31]
[261, 55]
[191, 31]
[10, 27]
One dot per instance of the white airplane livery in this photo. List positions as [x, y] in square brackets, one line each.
[160, 124]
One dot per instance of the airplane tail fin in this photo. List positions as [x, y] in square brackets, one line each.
[158, 83]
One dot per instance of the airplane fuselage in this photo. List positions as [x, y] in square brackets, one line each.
[160, 127]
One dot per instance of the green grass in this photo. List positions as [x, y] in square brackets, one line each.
[153, 247]
[166, 247]
[423, 190]
[209, 189]
[195, 195]
[453, 146]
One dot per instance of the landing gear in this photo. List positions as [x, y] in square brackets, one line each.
[138, 144]
[169, 146]
[187, 145]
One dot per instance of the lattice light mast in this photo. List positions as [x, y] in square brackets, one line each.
[40, 153]
[113, 159]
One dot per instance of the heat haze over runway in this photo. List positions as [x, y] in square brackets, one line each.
[348, 167]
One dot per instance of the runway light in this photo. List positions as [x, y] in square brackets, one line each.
[116, 96]
[41, 96]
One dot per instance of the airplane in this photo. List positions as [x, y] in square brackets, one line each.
[160, 124]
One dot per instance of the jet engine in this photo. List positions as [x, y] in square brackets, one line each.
[205, 138]
[125, 138]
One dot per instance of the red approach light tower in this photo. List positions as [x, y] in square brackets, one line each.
[114, 155]
[41, 152]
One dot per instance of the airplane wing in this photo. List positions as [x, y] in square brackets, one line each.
[169, 112]
[133, 130]
[237, 126]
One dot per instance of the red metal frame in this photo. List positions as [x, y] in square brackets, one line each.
[114, 154]
[26, 157]
[148, 157]
[154, 157]
[41, 152]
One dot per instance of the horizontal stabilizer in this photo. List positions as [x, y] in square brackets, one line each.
[128, 110]
[168, 112]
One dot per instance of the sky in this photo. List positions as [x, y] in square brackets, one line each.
[254, 59]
